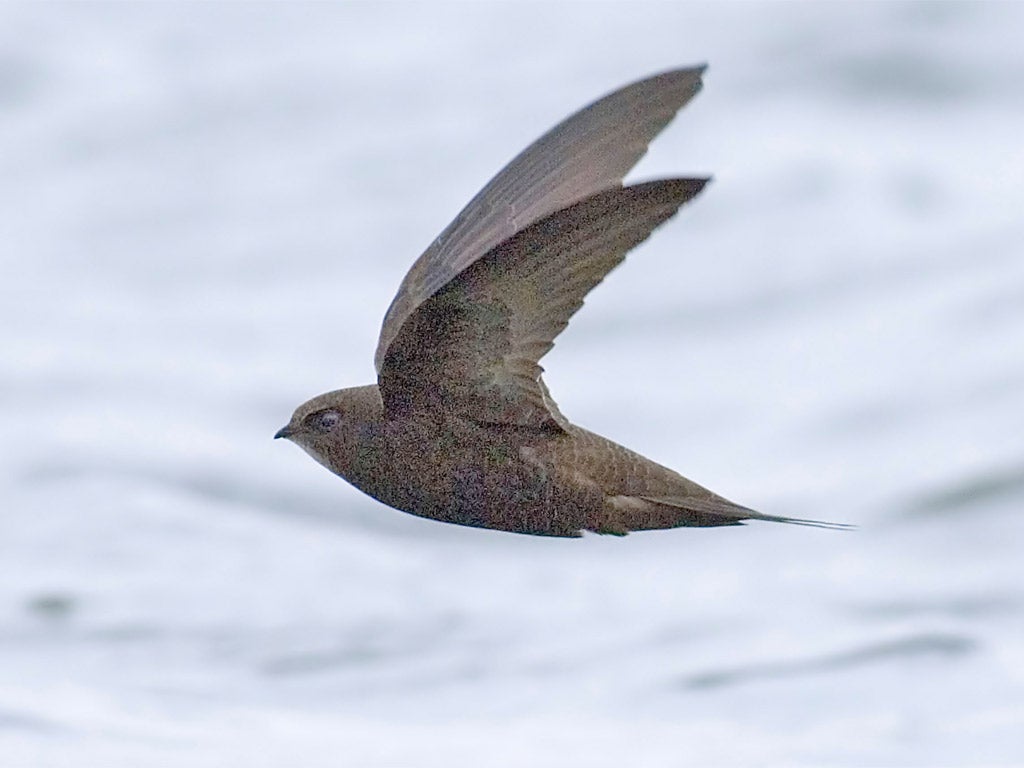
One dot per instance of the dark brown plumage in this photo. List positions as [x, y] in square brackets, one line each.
[460, 426]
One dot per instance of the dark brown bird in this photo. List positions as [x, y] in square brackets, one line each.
[460, 426]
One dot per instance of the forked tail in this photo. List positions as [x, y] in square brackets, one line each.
[637, 513]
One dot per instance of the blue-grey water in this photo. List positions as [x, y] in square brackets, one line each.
[205, 210]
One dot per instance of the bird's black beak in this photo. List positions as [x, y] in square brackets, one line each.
[285, 431]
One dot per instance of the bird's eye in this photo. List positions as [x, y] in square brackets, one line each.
[323, 421]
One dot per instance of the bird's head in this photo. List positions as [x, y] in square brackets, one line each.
[335, 428]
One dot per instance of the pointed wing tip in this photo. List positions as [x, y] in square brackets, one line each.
[687, 189]
[699, 182]
[673, 88]
[677, 191]
[693, 69]
[694, 73]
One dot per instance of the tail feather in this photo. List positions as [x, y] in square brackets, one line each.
[637, 513]
[734, 512]
[752, 515]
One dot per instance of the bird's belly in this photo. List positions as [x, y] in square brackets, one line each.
[482, 478]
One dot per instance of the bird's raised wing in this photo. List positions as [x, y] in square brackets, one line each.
[589, 151]
[472, 349]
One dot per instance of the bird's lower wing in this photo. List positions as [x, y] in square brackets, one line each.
[472, 350]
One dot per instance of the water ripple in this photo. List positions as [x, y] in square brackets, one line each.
[944, 645]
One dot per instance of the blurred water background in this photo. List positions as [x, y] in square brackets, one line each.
[204, 212]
